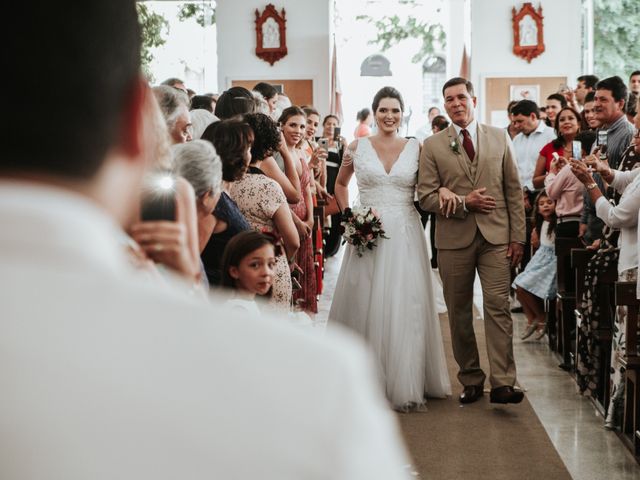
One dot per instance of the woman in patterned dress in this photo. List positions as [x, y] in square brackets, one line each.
[264, 205]
[292, 123]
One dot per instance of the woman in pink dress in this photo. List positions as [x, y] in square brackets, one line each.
[293, 123]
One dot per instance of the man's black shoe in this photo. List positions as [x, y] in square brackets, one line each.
[471, 393]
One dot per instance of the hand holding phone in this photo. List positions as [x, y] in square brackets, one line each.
[323, 143]
[159, 199]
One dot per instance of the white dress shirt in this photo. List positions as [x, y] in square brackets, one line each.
[527, 148]
[105, 376]
[624, 216]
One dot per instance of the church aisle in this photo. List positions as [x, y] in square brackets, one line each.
[554, 434]
[480, 440]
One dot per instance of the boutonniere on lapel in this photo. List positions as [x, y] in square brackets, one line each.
[455, 146]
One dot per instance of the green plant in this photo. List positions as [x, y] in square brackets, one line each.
[204, 13]
[393, 30]
[153, 28]
[616, 36]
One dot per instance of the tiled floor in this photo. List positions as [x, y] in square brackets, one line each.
[588, 450]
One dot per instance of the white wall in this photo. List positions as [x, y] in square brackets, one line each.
[308, 41]
[492, 42]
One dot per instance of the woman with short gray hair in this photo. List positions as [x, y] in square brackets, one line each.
[199, 164]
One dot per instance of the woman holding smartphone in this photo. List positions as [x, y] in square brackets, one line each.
[567, 128]
[560, 183]
[334, 144]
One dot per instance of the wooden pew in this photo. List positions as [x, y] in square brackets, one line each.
[630, 434]
[566, 301]
[318, 241]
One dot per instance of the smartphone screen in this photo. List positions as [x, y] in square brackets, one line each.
[159, 199]
[336, 133]
[576, 147]
[158, 207]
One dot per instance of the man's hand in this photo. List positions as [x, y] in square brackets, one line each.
[478, 202]
[515, 252]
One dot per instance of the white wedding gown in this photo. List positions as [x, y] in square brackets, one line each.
[387, 294]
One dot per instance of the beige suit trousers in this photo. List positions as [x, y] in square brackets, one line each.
[457, 270]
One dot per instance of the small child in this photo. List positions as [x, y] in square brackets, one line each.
[248, 264]
[538, 281]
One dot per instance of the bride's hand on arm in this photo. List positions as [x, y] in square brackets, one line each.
[449, 201]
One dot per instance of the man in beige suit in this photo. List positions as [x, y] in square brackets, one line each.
[468, 176]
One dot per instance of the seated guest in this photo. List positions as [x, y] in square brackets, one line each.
[624, 216]
[175, 108]
[199, 164]
[264, 205]
[248, 267]
[566, 128]
[236, 101]
[232, 140]
[106, 376]
[554, 103]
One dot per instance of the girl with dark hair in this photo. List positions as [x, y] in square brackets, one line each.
[248, 268]
[567, 126]
[293, 124]
[386, 295]
[316, 155]
[538, 280]
[264, 205]
[232, 140]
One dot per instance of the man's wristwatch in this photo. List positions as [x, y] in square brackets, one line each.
[591, 186]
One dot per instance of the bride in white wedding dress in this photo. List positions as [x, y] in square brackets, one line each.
[387, 295]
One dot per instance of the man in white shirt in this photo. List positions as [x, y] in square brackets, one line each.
[534, 135]
[105, 375]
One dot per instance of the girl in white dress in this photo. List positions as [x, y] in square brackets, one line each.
[386, 295]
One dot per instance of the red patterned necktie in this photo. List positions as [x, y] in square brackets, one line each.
[468, 144]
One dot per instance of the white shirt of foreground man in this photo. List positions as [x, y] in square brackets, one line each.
[106, 376]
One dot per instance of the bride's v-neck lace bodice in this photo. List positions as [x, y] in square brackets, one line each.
[379, 188]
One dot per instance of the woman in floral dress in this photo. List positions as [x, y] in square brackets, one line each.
[264, 205]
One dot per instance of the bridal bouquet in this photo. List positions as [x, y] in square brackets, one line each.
[361, 227]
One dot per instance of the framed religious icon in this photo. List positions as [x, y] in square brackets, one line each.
[525, 92]
[271, 39]
[528, 35]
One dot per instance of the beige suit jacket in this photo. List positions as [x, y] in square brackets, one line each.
[441, 166]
